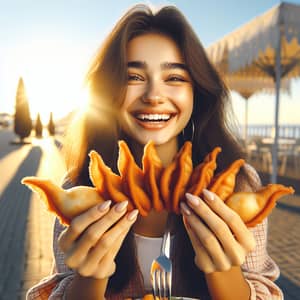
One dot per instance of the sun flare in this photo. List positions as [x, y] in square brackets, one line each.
[53, 78]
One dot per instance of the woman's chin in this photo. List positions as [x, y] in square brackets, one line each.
[157, 140]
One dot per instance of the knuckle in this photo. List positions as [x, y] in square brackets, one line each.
[125, 225]
[233, 219]
[113, 216]
[197, 261]
[238, 259]
[241, 260]
[209, 270]
[221, 230]
[94, 213]
[204, 265]
[84, 271]
[208, 241]
[105, 242]
[113, 268]
[99, 273]
[91, 236]
[224, 267]
[203, 207]
[75, 228]
[71, 263]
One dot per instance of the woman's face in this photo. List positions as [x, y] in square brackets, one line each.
[159, 98]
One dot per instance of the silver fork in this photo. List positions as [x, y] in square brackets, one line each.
[161, 268]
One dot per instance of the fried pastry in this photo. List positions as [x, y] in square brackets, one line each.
[107, 183]
[182, 175]
[203, 173]
[133, 180]
[223, 184]
[156, 187]
[254, 207]
[175, 177]
[152, 169]
[66, 204]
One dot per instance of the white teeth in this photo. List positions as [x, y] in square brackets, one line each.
[154, 117]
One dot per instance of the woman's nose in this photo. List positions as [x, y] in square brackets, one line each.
[153, 95]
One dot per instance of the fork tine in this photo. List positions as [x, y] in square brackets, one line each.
[154, 285]
[169, 284]
[161, 268]
[163, 280]
[159, 282]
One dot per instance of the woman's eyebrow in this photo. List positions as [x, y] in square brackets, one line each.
[166, 65]
[136, 64]
[173, 65]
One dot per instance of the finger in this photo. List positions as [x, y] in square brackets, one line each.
[104, 272]
[214, 222]
[107, 263]
[110, 242]
[80, 223]
[202, 259]
[208, 241]
[94, 232]
[97, 229]
[242, 234]
[234, 251]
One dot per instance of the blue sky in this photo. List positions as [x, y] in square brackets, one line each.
[50, 44]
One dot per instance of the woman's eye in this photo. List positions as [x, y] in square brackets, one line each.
[134, 77]
[176, 78]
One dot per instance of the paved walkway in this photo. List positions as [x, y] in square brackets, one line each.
[26, 227]
[284, 244]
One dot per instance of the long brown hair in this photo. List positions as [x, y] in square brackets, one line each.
[99, 129]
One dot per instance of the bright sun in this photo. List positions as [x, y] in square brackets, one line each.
[53, 75]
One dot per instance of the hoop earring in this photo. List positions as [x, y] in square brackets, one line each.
[189, 131]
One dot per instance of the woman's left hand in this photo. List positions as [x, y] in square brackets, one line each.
[219, 237]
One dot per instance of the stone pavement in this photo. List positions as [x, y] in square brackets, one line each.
[26, 227]
[284, 244]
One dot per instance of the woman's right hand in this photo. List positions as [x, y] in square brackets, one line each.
[93, 239]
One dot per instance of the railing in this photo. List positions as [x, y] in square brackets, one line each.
[285, 131]
[259, 145]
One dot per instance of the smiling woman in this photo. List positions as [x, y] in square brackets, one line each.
[155, 78]
[53, 76]
[152, 81]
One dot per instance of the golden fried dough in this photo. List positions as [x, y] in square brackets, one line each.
[156, 187]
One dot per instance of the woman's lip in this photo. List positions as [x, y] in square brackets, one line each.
[152, 112]
[153, 125]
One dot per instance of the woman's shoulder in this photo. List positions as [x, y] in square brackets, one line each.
[247, 179]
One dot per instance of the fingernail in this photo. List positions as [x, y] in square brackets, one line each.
[185, 209]
[104, 205]
[193, 200]
[208, 195]
[121, 206]
[133, 215]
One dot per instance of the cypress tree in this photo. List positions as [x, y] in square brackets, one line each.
[22, 119]
[51, 125]
[38, 127]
